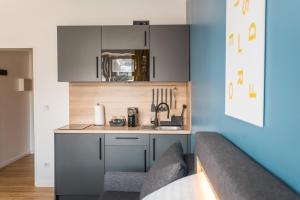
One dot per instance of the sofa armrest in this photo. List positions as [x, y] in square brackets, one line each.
[124, 181]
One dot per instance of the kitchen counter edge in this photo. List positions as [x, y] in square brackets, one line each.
[121, 130]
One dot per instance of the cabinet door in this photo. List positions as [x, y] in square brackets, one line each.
[79, 53]
[160, 143]
[123, 158]
[79, 164]
[125, 37]
[169, 53]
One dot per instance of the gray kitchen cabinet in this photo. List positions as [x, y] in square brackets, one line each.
[79, 53]
[169, 53]
[160, 143]
[127, 152]
[79, 164]
[127, 158]
[125, 37]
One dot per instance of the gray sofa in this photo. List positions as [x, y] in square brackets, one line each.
[234, 175]
[128, 185]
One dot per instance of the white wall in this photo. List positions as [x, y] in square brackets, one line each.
[15, 107]
[32, 24]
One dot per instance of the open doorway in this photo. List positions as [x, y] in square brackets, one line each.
[16, 116]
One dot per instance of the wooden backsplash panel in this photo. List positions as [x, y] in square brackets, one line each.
[117, 97]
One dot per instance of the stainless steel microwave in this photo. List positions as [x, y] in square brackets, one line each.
[124, 65]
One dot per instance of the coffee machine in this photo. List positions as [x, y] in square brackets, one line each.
[133, 116]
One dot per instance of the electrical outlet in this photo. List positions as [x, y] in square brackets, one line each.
[47, 165]
[3, 72]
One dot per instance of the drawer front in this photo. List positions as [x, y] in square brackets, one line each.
[123, 158]
[126, 139]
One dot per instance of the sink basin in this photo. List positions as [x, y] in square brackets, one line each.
[168, 128]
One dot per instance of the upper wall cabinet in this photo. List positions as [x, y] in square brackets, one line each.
[125, 37]
[163, 53]
[169, 53]
[79, 53]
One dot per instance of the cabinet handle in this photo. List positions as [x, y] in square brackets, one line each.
[127, 138]
[145, 160]
[153, 66]
[153, 148]
[97, 67]
[100, 148]
[145, 38]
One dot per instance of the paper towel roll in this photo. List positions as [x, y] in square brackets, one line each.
[99, 115]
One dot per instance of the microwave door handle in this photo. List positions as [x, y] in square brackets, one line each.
[145, 38]
[153, 60]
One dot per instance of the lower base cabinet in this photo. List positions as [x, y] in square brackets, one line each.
[127, 152]
[82, 159]
[79, 164]
[160, 143]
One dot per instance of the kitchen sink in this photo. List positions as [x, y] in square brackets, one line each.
[169, 128]
[166, 128]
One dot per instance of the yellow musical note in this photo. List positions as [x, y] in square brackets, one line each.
[252, 93]
[246, 4]
[240, 77]
[230, 91]
[252, 31]
[240, 50]
[231, 39]
[236, 3]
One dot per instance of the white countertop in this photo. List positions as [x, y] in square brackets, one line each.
[119, 130]
[194, 187]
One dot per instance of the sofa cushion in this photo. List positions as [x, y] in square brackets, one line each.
[113, 195]
[124, 181]
[168, 168]
[234, 175]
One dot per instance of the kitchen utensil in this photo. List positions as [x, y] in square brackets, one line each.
[171, 99]
[162, 99]
[166, 100]
[176, 120]
[166, 95]
[183, 108]
[157, 94]
[175, 93]
[152, 105]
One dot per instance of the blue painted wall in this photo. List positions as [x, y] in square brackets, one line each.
[277, 145]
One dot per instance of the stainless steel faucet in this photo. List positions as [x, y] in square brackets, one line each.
[157, 109]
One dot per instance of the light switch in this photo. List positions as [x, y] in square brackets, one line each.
[3, 72]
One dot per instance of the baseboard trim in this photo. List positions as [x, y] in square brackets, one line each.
[11, 160]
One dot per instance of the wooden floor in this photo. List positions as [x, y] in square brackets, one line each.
[17, 182]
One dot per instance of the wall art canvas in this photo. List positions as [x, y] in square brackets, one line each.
[245, 60]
